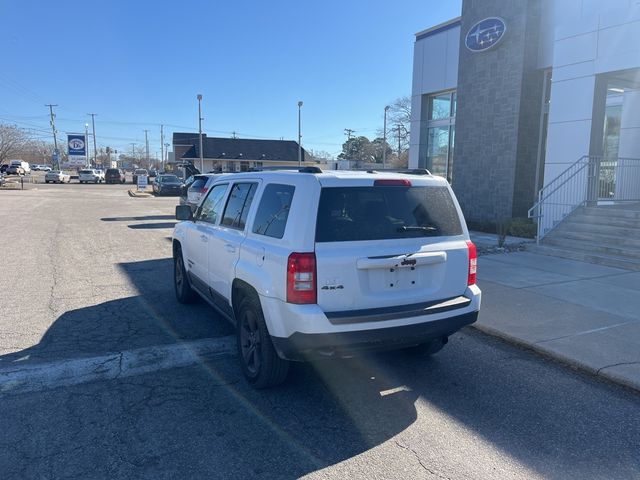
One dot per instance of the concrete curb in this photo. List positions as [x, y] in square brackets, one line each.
[569, 361]
[75, 371]
[136, 194]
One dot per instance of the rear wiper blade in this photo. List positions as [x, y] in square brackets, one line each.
[417, 229]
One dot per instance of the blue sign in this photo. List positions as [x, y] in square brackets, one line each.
[485, 34]
[77, 145]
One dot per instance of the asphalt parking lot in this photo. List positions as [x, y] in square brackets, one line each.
[86, 275]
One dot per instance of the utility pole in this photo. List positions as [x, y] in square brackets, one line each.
[348, 132]
[55, 140]
[166, 151]
[384, 139]
[162, 146]
[199, 97]
[146, 147]
[95, 146]
[299, 135]
[234, 135]
[53, 124]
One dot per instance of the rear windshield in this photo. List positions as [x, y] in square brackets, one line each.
[199, 183]
[86, 171]
[169, 178]
[141, 172]
[113, 170]
[385, 212]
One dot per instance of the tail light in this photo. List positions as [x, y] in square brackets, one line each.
[473, 263]
[301, 278]
[392, 183]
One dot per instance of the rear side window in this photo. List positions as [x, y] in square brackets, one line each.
[273, 211]
[198, 184]
[238, 204]
[385, 212]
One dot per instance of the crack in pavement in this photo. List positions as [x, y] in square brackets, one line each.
[415, 454]
[616, 365]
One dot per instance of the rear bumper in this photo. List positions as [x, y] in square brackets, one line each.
[300, 346]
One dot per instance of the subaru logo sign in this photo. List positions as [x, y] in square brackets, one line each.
[485, 34]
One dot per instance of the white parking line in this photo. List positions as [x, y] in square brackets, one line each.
[43, 376]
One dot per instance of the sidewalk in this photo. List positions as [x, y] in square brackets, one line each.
[585, 315]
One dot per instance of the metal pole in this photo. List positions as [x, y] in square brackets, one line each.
[399, 143]
[95, 146]
[86, 145]
[146, 147]
[162, 146]
[299, 135]
[133, 152]
[200, 132]
[384, 139]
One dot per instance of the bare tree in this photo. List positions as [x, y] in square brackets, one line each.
[12, 140]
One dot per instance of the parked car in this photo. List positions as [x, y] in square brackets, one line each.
[167, 185]
[114, 175]
[139, 171]
[4, 167]
[56, 176]
[195, 187]
[2, 179]
[308, 263]
[89, 176]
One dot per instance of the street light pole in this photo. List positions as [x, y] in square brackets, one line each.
[166, 152]
[86, 144]
[200, 132]
[162, 146]
[95, 146]
[384, 139]
[299, 135]
[146, 147]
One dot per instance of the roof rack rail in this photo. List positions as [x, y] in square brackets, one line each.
[283, 167]
[408, 171]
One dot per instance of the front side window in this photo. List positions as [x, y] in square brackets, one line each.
[238, 204]
[212, 206]
[273, 211]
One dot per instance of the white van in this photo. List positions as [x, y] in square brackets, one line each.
[18, 167]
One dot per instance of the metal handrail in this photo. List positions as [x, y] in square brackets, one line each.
[556, 184]
[605, 179]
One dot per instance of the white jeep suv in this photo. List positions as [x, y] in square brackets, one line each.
[311, 263]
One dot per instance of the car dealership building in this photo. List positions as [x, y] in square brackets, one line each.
[519, 95]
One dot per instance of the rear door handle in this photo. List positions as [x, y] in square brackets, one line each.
[204, 238]
[230, 248]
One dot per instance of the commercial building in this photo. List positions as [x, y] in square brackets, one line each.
[235, 154]
[517, 101]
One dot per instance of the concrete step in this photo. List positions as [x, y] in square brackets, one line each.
[607, 238]
[613, 211]
[581, 256]
[592, 247]
[612, 221]
[573, 225]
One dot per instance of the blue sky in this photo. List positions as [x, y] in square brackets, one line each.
[140, 63]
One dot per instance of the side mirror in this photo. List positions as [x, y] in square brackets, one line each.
[183, 212]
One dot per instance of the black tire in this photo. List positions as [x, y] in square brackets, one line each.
[46, 181]
[428, 348]
[184, 292]
[261, 365]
